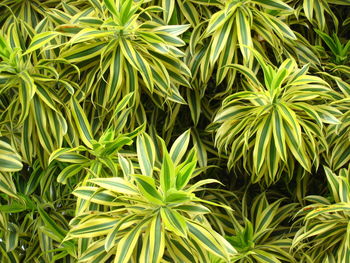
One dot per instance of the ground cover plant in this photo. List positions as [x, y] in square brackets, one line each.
[204, 131]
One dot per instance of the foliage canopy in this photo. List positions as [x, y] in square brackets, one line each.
[204, 131]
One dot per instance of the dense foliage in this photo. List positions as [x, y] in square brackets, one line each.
[175, 131]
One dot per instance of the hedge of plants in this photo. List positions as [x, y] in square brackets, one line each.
[175, 131]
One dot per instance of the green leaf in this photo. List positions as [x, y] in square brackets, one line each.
[147, 187]
[127, 244]
[205, 239]
[10, 161]
[167, 172]
[244, 34]
[52, 225]
[12, 234]
[93, 227]
[110, 4]
[179, 147]
[146, 153]
[168, 6]
[68, 172]
[308, 6]
[274, 4]
[116, 184]
[184, 174]
[68, 155]
[263, 138]
[26, 93]
[219, 40]
[156, 239]
[40, 40]
[96, 195]
[112, 235]
[82, 122]
[174, 221]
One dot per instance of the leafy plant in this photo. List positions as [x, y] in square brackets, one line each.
[99, 160]
[33, 95]
[260, 231]
[324, 235]
[264, 239]
[338, 138]
[150, 215]
[272, 123]
[119, 40]
[32, 12]
[340, 52]
[229, 30]
[33, 210]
